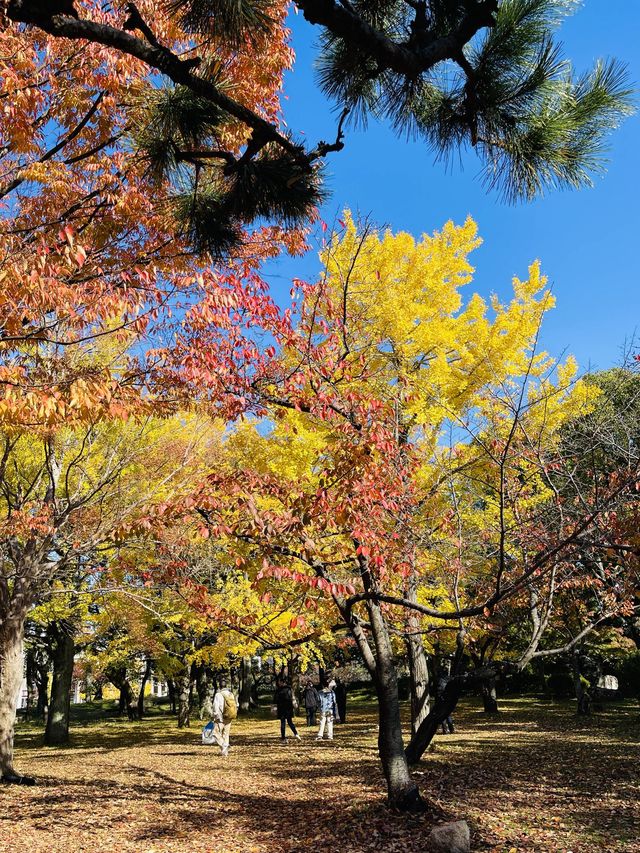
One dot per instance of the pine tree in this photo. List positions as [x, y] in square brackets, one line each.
[488, 74]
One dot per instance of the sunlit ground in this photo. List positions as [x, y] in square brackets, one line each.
[535, 778]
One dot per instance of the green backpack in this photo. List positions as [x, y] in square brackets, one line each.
[230, 711]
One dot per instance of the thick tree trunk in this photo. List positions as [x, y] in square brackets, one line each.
[11, 668]
[57, 730]
[184, 700]
[205, 690]
[538, 668]
[127, 702]
[402, 791]
[145, 677]
[489, 696]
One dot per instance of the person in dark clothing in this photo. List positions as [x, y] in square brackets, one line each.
[341, 699]
[311, 701]
[447, 724]
[283, 700]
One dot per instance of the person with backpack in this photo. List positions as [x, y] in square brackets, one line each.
[283, 700]
[311, 701]
[328, 712]
[225, 710]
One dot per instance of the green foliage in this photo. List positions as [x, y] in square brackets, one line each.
[271, 186]
[173, 119]
[274, 185]
[510, 94]
[233, 20]
[201, 217]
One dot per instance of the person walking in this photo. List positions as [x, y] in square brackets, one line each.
[225, 710]
[448, 726]
[328, 712]
[311, 701]
[283, 700]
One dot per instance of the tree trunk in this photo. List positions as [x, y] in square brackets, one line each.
[538, 668]
[489, 696]
[443, 707]
[57, 730]
[171, 690]
[145, 677]
[184, 699]
[418, 663]
[127, 701]
[246, 684]
[31, 674]
[419, 678]
[11, 668]
[402, 791]
[582, 694]
[117, 675]
[43, 691]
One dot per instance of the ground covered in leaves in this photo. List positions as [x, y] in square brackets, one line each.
[535, 778]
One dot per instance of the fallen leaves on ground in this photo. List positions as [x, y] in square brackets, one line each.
[534, 778]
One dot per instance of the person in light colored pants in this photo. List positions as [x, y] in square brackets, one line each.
[328, 712]
[221, 733]
[326, 721]
[222, 726]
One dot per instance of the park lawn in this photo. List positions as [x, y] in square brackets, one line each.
[535, 778]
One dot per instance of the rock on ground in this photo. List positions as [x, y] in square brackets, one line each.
[450, 838]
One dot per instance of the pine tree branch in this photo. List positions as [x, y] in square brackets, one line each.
[411, 58]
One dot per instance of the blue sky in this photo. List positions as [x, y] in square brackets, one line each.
[588, 241]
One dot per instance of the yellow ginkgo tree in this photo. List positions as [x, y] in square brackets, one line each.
[403, 453]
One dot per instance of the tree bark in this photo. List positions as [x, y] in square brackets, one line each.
[582, 695]
[31, 674]
[294, 681]
[184, 699]
[205, 691]
[145, 677]
[171, 690]
[489, 696]
[11, 668]
[246, 684]
[117, 675]
[57, 729]
[443, 707]
[419, 679]
[402, 791]
[418, 664]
